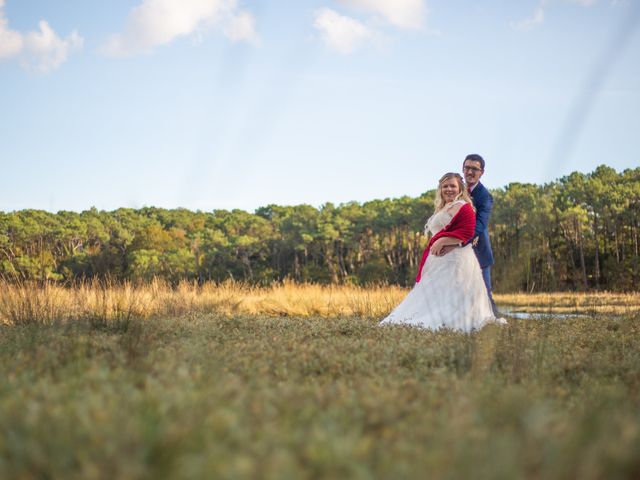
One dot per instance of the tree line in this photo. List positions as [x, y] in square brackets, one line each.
[579, 232]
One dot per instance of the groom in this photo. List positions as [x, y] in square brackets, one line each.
[473, 168]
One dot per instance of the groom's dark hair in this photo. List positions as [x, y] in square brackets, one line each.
[474, 157]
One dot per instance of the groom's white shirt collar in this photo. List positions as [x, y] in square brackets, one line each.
[472, 187]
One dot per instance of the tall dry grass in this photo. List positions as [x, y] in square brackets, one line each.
[572, 302]
[106, 301]
[48, 303]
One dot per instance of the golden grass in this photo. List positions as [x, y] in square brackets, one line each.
[105, 301]
[48, 303]
[571, 302]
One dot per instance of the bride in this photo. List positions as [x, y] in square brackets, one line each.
[449, 290]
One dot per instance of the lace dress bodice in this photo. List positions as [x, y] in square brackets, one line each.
[439, 220]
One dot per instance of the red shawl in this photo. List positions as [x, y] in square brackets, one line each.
[461, 226]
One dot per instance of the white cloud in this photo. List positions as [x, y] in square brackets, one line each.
[159, 22]
[528, 23]
[405, 14]
[40, 51]
[10, 42]
[538, 15]
[242, 27]
[46, 51]
[343, 34]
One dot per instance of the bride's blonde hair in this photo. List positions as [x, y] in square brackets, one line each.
[463, 195]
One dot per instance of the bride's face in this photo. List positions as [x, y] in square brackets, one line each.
[449, 189]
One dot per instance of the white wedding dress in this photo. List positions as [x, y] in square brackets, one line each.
[451, 292]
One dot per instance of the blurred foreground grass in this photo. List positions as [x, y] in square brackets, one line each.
[201, 395]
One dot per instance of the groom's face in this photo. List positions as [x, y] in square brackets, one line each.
[472, 172]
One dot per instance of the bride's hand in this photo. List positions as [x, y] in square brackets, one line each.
[436, 248]
[446, 249]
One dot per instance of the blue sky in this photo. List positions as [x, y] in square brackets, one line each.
[209, 104]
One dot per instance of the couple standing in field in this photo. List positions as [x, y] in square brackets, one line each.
[453, 286]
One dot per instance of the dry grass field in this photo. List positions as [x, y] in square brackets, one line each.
[298, 381]
[569, 302]
[49, 303]
[29, 303]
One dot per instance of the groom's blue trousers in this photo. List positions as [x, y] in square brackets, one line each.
[486, 276]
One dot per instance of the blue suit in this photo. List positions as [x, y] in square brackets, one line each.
[483, 201]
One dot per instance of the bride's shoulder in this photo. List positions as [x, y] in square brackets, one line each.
[455, 207]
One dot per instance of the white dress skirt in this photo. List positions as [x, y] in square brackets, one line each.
[451, 292]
